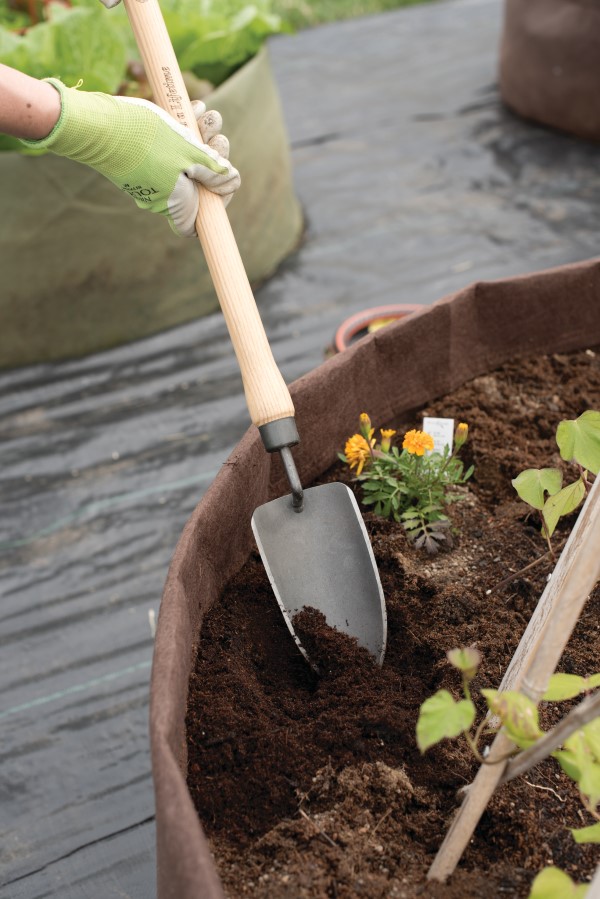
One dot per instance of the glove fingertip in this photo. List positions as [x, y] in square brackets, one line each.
[199, 108]
[211, 123]
[220, 145]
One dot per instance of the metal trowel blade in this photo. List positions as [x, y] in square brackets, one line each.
[321, 558]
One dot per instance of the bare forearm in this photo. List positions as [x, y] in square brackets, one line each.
[28, 108]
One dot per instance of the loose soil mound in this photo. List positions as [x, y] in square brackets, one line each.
[313, 786]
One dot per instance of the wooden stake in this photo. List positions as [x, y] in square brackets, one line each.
[536, 658]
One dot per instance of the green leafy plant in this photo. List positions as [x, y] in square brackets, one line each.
[80, 40]
[410, 485]
[442, 717]
[212, 39]
[542, 488]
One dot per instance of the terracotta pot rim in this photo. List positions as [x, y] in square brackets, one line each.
[360, 321]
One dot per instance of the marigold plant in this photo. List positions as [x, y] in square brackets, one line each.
[413, 484]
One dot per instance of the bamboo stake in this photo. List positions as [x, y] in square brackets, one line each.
[594, 888]
[533, 663]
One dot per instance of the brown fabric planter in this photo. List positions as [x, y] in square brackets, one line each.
[549, 63]
[394, 370]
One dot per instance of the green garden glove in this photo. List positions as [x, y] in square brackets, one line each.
[143, 151]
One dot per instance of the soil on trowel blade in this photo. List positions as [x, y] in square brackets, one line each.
[326, 647]
[312, 785]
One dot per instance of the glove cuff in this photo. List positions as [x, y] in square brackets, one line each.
[75, 134]
[49, 142]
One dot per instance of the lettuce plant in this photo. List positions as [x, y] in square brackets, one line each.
[80, 41]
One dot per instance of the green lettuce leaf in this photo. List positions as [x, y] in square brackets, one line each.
[222, 50]
[212, 39]
[74, 44]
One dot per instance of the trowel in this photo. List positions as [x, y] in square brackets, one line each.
[313, 542]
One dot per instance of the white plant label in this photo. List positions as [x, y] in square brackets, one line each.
[442, 431]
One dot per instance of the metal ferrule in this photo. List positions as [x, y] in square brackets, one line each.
[280, 433]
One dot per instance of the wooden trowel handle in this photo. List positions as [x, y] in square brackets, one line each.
[267, 396]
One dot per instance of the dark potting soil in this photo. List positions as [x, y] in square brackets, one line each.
[313, 786]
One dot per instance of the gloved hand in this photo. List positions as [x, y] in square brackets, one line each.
[143, 151]
[110, 3]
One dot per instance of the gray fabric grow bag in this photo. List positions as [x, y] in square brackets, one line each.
[394, 370]
[83, 269]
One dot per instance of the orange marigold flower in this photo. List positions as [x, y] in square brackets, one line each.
[357, 452]
[416, 442]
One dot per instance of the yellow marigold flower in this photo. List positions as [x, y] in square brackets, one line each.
[462, 432]
[416, 442]
[357, 452]
[386, 439]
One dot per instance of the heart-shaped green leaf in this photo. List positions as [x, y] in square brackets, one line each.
[567, 686]
[562, 503]
[466, 659]
[552, 883]
[589, 834]
[579, 439]
[533, 484]
[442, 716]
[568, 762]
[592, 736]
[582, 762]
[589, 782]
[564, 686]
